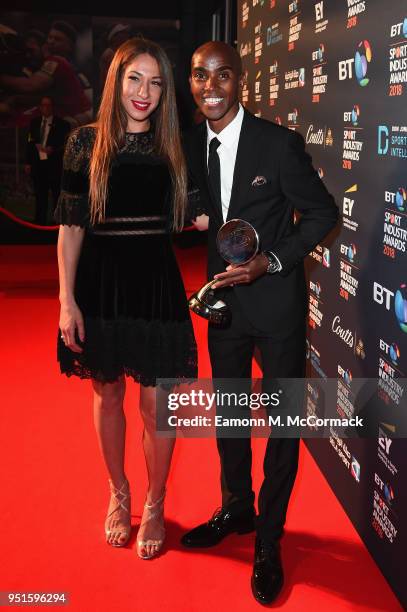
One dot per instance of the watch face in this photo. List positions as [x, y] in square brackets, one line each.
[273, 264]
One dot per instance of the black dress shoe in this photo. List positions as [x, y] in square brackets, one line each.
[268, 576]
[222, 523]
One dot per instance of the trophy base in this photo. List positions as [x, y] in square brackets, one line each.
[217, 314]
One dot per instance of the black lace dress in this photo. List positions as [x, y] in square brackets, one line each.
[128, 285]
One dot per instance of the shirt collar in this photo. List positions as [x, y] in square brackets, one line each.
[231, 132]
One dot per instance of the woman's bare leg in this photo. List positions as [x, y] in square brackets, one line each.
[110, 424]
[158, 454]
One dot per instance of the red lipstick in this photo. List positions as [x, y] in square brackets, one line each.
[141, 106]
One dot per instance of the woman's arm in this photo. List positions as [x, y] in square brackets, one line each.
[72, 215]
[69, 247]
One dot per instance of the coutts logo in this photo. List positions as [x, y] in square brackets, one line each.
[322, 136]
[345, 334]
[315, 137]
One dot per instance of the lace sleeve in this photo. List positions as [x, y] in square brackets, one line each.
[73, 202]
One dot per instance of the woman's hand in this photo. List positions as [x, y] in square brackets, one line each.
[70, 320]
[201, 223]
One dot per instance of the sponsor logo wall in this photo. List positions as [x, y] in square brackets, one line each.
[336, 71]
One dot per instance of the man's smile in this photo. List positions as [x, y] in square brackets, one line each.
[212, 101]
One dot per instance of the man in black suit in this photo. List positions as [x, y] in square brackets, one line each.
[45, 149]
[252, 169]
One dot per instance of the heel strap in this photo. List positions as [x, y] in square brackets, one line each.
[149, 506]
[154, 513]
[120, 496]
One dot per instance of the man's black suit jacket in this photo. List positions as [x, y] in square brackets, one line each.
[57, 136]
[275, 304]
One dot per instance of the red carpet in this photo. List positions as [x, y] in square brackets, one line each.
[55, 492]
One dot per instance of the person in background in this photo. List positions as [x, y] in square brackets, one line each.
[117, 35]
[57, 77]
[34, 41]
[45, 148]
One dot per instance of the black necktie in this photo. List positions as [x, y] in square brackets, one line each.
[42, 129]
[214, 170]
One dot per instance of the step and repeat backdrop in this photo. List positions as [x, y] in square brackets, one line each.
[336, 71]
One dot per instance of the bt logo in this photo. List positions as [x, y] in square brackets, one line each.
[355, 469]
[392, 350]
[388, 493]
[318, 55]
[401, 197]
[400, 306]
[345, 374]
[385, 488]
[355, 115]
[315, 288]
[399, 28]
[292, 117]
[362, 59]
[352, 116]
[326, 258]
[293, 6]
[381, 296]
[313, 392]
[349, 251]
[398, 198]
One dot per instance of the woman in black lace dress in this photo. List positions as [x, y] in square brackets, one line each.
[123, 305]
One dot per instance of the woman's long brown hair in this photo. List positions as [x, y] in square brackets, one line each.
[111, 126]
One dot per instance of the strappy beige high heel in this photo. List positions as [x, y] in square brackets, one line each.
[122, 497]
[152, 511]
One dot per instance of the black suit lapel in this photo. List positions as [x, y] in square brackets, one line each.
[247, 161]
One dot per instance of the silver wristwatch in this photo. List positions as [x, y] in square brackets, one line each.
[273, 265]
